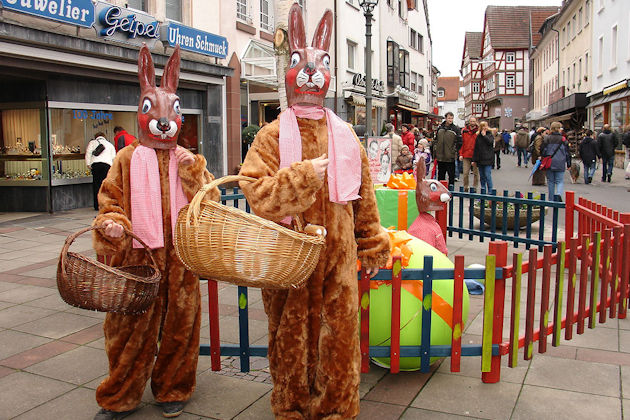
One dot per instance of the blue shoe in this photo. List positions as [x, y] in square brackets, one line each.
[172, 409]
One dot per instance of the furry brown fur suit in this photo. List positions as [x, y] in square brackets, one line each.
[162, 343]
[313, 331]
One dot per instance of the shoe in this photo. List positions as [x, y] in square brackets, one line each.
[590, 179]
[456, 179]
[104, 414]
[609, 176]
[172, 409]
[526, 166]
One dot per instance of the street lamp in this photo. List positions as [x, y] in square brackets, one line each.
[368, 6]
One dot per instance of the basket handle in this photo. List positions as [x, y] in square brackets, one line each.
[195, 204]
[70, 239]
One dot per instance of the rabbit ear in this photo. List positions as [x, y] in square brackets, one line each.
[321, 39]
[421, 170]
[170, 78]
[297, 35]
[146, 71]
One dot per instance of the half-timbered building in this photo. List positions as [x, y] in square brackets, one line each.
[472, 75]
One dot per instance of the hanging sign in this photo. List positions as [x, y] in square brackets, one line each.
[194, 40]
[74, 12]
[124, 25]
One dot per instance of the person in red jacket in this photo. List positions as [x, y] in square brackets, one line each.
[122, 138]
[469, 135]
[408, 138]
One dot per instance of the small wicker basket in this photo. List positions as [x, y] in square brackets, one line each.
[89, 284]
[224, 243]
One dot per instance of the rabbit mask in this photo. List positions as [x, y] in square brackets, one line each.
[431, 195]
[159, 113]
[308, 75]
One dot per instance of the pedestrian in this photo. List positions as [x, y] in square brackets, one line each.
[558, 150]
[499, 145]
[422, 152]
[589, 153]
[122, 138]
[407, 136]
[404, 161]
[512, 149]
[607, 142]
[417, 136]
[483, 156]
[506, 137]
[538, 178]
[396, 143]
[99, 156]
[469, 136]
[448, 139]
[626, 142]
[522, 141]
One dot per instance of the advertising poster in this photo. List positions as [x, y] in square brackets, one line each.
[379, 152]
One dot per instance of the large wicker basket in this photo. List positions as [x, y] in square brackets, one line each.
[90, 284]
[511, 217]
[224, 243]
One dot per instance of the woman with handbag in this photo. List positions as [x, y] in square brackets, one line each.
[538, 178]
[99, 157]
[556, 159]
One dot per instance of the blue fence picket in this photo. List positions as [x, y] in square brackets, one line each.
[243, 328]
[427, 301]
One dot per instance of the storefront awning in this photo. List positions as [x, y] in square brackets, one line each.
[610, 98]
[568, 104]
[258, 64]
[359, 100]
[414, 110]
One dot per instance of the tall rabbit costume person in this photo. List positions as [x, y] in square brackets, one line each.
[149, 182]
[313, 331]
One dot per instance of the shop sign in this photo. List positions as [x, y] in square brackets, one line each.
[406, 92]
[74, 12]
[359, 80]
[125, 25]
[195, 40]
[84, 114]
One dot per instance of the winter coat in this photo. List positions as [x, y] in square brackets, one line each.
[123, 139]
[484, 149]
[499, 142]
[607, 142]
[561, 160]
[447, 140]
[397, 144]
[409, 140]
[626, 139]
[537, 147]
[469, 135]
[522, 139]
[506, 138]
[589, 151]
[404, 161]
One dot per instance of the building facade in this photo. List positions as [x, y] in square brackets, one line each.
[450, 96]
[66, 77]
[472, 73]
[544, 73]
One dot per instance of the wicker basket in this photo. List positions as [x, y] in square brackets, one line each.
[522, 221]
[224, 243]
[89, 284]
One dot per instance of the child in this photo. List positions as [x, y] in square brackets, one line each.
[423, 151]
[404, 160]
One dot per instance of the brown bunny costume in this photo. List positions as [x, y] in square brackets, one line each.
[313, 331]
[162, 343]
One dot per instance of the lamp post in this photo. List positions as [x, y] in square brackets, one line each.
[368, 6]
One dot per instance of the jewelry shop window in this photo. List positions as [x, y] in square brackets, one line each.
[23, 157]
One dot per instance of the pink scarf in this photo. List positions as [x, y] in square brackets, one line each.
[344, 169]
[146, 196]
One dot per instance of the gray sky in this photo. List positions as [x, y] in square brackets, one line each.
[450, 19]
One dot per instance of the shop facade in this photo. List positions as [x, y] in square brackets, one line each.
[58, 90]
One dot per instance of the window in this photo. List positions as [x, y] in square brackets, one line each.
[414, 81]
[174, 10]
[401, 9]
[241, 9]
[421, 43]
[510, 80]
[440, 93]
[564, 37]
[601, 5]
[412, 38]
[478, 109]
[404, 68]
[574, 74]
[574, 20]
[587, 11]
[393, 64]
[510, 57]
[586, 65]
[137, 4]
[352, 51]
[569, 32]
[421, 84]
[475, 87]
[580, 72]
[569, 78]
[266, 15]
[580, 18]
[600, 57]
[613, 48]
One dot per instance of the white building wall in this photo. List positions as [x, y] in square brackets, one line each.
[575, 28]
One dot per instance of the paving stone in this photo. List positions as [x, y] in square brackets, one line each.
[58, 325]
[260, 410]
[25, 391]
[4, 371]
[14, 342]
[420, 414]
[154, 412]
[45, 272]
[87, 364]
[400, 388]
[37, 354]
[597, 338]
[93, 384]
[11, 265]
[25, 293]
[574, 375]
[468, 397]
[603, 356]
[624, 341]
[97, 344]
[85, 336]
[546, 403]
[76, 404]
[625, 382]
[38, 281]
[214, 396]
[53, 301]
[371, 410]
[471, 367]
[21, 314]
[370, 379]
[4, 286]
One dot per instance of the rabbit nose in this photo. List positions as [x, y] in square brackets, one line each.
[309, 68]
[445, 197]
[163, 124]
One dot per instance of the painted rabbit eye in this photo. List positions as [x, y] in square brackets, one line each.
[295, 59]
[176, 107]
[433, 187]
[326, 61]
[146, 106]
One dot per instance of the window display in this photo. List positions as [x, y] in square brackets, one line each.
[618, 112]
[21, 145]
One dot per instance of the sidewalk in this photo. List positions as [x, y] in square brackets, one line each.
[52, 356]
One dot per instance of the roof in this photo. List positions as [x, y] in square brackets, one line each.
[451, 87]
[472, 44]
[516, 27]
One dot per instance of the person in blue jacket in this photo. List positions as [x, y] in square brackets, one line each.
[555, 146]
